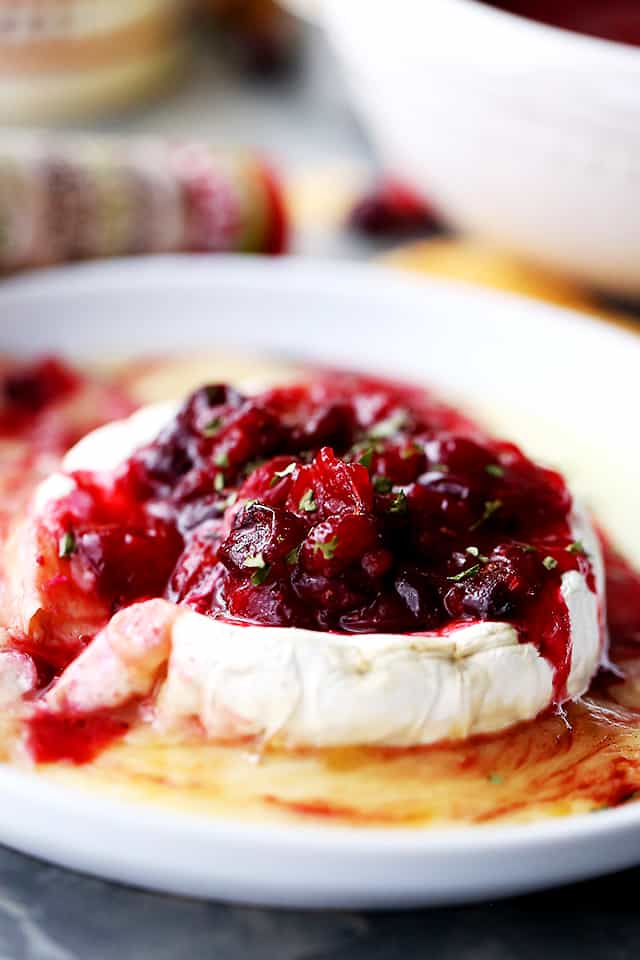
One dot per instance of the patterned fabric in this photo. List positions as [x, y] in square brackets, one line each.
[72, 199]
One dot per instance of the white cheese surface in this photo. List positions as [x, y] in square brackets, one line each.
[328, 689]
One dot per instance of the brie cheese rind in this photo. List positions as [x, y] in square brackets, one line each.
[307, 687]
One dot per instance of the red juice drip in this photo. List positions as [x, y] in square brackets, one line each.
[77, 738]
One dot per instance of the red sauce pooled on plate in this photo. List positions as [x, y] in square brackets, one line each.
[356, 505]
[617, 20]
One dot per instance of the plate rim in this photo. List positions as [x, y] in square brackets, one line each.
[414, 842]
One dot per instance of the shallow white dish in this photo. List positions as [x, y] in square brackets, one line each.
[527, 362]
[522, 133]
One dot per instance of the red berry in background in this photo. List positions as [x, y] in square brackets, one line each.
[32, 386]
[391, 207]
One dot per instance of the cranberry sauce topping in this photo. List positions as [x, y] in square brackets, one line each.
[623, 604]
[26, 390]
[48, 405]
[348, 504]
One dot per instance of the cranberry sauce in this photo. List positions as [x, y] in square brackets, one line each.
[348, 504]
[27, 390]
[46, 406]
[623, 605]
[617, 20]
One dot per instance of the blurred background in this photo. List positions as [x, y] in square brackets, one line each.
[493, 142]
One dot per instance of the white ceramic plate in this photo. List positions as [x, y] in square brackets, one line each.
[564, 385]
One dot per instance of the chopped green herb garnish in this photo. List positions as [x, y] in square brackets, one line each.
[210, 429]
[327, 549]
[250, 503]
[528, 548]
[307, 502]
[218, 482]
[440, 468]
[231, 499]
[366, 457]
[399, 504]
[474, 552]
[279, 474]
[549, 563]
[495, 778]
[222, 459]
[67, 545]
[470, 572]
[576, 547]
[387, 427]
[259, 577]
[494, 470]
[490, 507]
[292, 556]
[412, 450]
[382, 484]
[257, 561]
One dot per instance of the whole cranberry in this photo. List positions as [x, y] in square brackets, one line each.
[251, 432]
[272, 603]
[499, 587]
[400, 461]
[385, 614]
[197, 573]
[326, 595]
[270, 481]
[262, 536]
[418, 591]
[130, 563]
[328, 486]
[332, 424]
[460, 455]
[337, 542]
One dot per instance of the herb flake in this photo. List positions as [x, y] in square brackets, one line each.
[382, 484]
[494, 470]
[490, 507]
[576, 547]
[218, 482]
[307, 502]
[366, 457]
[67, 545]
[259, 577]
[222, 459]
[400, 504]
[257, 561]
[210, 429]
[389, 426]
[549, 563]
[280, 474]
[293, 555]
[328, 548]
[411, 450]
[464, 574]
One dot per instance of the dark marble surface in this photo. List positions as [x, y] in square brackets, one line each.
[52, 914]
